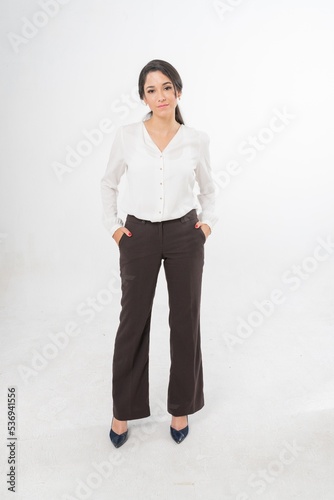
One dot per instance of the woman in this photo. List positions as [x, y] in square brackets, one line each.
[162, 159]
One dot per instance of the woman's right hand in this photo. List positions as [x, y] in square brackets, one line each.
[120, 233]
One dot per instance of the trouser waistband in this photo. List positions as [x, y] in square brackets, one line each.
[192, 214]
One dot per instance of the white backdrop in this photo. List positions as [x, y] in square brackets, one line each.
[238, 65]
[258, 78]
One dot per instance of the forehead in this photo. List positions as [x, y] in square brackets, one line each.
[156, 78]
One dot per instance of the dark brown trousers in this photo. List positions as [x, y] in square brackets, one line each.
[181, 247]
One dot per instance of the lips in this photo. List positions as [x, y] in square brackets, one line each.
[163, 106]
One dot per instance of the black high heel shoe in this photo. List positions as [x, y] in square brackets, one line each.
[180, 435]
[118, 439]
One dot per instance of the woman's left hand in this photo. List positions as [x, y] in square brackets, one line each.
[203, 227]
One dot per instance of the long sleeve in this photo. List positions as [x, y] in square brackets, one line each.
[207, 194]
[109, 184]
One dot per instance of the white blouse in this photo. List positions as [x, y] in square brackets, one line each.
[160, 185]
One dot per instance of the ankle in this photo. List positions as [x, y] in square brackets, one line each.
[119, 426]
[179, 423]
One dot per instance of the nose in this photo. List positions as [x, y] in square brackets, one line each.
[161, 97]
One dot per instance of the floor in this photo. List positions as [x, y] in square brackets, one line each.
[266, 430]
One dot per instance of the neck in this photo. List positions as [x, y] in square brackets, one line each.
[163, 124]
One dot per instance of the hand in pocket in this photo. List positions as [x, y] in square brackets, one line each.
[203, 227]
[120, 233]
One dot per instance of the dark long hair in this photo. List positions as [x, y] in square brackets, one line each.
[168, 70]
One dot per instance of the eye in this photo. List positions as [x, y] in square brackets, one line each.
[168, 88]
[150, 91]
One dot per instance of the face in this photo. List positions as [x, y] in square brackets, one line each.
[160, 94]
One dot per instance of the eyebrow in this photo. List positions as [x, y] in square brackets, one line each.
[152, 86]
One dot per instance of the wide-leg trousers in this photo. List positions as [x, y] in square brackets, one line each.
[180, 246]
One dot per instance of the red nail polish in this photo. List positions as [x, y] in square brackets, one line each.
[129, 234]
